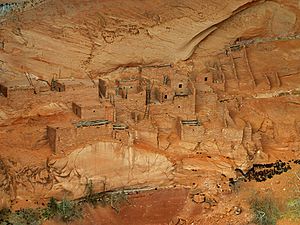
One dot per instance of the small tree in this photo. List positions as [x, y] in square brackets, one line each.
[51, 210]
[90, 195]
[25, 216]
[68, 211]
[65, 210]
[4, 214]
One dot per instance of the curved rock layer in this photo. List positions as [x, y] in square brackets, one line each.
[80, 38]
[110, 166]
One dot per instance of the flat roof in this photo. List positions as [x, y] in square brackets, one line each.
[17, 84]
[75, 82]
[92, 102]
[87, 103]
[13, 80]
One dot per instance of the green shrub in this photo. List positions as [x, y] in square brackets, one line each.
[105, 198]
[293, 209]
[24, 217]
[65, 210]
[265, 211]
[90, 196]
[4, 215]
[51, 210]
[68, 211]
[117, 199]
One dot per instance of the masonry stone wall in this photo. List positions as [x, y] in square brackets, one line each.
[63, 138]
[190, 133]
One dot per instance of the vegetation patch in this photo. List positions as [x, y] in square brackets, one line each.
[21, 217]
[265, 211]
[293, 209]
[65, 210]
[112, 199]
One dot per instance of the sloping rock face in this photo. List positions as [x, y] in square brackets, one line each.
[109, 166]
[250, 116]
[100, 36]
[92, 37]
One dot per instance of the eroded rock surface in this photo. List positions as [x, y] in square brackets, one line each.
[188, 95]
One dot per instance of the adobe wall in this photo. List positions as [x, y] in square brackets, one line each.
[93, 133]
[147, 136]
[233, 135]
[64, 138]
[131, 86]
[205, 78]
[165, 123]
[137, 116]
[72, 85]
[51, 134]
[110, 112]
[121, 136]
[163, 94]
[180, 86]
[134, 103]
[182, 107]
[102, 88]
[76, 109]
[94, 112]
[21, 93]
[157, 74]
[61, 138]
[190, 133]
[18, 98]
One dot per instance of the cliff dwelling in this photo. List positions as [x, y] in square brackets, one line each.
[136, 112]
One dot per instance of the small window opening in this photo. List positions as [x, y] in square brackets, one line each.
[180, 85]
[179, 107]
[59, 89]
[94, 110]
[166, 96]
[205, 78]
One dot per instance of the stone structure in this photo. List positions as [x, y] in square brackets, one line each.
[17, 88]
[121, 135]
[146, 132]
[102, 88]
[163, 93]
[123, 87]
[191, 131]
[66, 136]
[127, 94]
[89, 110]
[169, 87]
[61, 85]
[179, 101]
